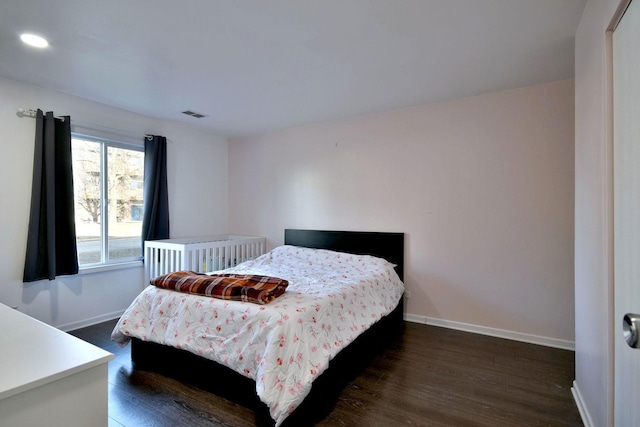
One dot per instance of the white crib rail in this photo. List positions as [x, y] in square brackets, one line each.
[200, 254]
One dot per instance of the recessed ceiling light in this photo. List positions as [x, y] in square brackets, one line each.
[33, 40]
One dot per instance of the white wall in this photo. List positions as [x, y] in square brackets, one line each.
[483, 187]
[593, 222]
[198, 186]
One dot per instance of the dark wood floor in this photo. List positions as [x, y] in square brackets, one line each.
[428, 376]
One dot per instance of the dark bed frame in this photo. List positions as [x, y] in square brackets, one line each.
[218, 379]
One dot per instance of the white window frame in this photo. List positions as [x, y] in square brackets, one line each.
[105, 264]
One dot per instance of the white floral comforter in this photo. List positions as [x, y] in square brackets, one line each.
[331, 299]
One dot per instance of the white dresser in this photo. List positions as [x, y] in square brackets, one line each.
[48, 377]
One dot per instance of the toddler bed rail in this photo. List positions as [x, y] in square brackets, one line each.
[200, 254]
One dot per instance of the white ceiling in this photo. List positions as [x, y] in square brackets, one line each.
[255, 66]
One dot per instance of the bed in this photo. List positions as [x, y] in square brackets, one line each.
[345, 293]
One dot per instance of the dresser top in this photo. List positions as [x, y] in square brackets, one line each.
[33, 353]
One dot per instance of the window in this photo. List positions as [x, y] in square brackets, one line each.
[107, 180]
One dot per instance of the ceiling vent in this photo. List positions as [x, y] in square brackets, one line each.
[194, 114]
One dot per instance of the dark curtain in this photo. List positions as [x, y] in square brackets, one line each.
[51, 240]
[155, 221]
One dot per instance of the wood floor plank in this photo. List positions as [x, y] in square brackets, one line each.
[428, 376]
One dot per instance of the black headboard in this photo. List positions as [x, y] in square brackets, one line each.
[389, 246]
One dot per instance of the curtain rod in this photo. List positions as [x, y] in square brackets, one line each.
[28, 112]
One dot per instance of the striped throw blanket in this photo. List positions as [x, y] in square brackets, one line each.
[236, 287]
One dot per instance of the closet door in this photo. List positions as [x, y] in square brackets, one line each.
[626, 170]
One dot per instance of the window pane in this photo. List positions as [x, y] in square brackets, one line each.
[125, 175]
[108, 214]
[86, 183]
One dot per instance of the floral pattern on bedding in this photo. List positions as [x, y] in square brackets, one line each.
[332, 298]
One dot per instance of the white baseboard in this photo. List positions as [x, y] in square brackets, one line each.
[499, 333]
[89, 322]
[582, 408]
[467, 327]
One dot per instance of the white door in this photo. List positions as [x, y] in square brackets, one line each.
[626, 174]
